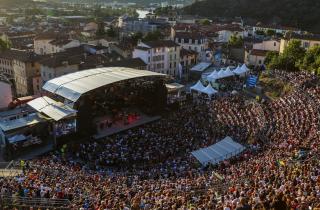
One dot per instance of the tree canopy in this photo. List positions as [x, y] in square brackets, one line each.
[4, 45]
[235, 41]
[295, 58]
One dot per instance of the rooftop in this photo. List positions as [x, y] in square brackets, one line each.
[259, 52]
[31, 119]
[72, 86]
[20, 55]
[161, 43]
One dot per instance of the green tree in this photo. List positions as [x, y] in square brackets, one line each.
[289, 60]
[205, 22]
[235, 41]
[311, 60]
[271, 57]
[4, 45]
[136, 37]
[153, 36]
[111, 32]
[271, 32]
[100, 31]
[292, 55]
[261, 33]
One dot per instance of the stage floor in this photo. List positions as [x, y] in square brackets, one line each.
[119, 126]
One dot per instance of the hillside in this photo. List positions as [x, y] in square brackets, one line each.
[296, 13]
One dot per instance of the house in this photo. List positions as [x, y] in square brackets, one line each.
[130, 25]
[225, 32]
[6, 92]
[23, 66]
[21, 40]
[90, 27]
[161, 56]
[6, 66]
[257, 55]
[276, 28]
[192, 41]
[75, 59]
[124, 49]
[307, 40]
[188, 58]
[50, 43]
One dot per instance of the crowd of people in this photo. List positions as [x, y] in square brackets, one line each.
[151, 167]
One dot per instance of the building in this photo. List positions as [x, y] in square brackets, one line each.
[133, 25]
[192, 41]
[257, 55]
[225, 32]
[188, 59]
[73, 60]
[6, 66]
[276, 28]
[307, 40]
[21, 67]
[160, 56]
[21, 40]
[50, 43]
[6, 92]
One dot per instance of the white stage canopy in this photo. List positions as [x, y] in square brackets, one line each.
[72, 86]
[53, 109]
[218, 152]
[197, 87]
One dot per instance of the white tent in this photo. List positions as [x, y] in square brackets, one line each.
[198, 87]
[228, 72]
[213, 76]
[244, 68]
[218, 152]
[209, 90]
[241, 70]
[220, 74]
[237, 70]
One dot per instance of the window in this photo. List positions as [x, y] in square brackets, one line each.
[306, 45]
[275, 44]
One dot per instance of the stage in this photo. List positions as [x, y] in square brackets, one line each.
[119, 126]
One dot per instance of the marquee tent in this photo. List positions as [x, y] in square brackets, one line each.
[198, 87]
[228, 73]
[212, 76]
[241, 70]
[218, 152]
[209, 90]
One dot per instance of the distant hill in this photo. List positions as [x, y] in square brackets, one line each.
[303, 14]
[14, 3]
